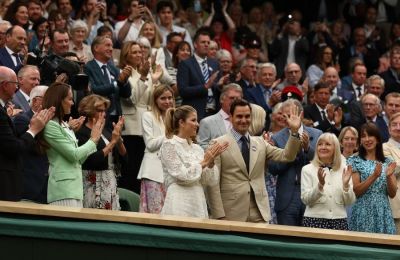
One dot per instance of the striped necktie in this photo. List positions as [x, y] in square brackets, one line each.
[204, 70]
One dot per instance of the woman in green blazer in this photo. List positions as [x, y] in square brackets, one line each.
[65, 187]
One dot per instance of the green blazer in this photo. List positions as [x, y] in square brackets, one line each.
[65, 159]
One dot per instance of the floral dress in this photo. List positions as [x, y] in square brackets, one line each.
[184, 178]
[371, 212]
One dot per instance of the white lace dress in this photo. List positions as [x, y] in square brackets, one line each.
[184, 178]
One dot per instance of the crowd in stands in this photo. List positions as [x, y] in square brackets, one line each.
[280, 112]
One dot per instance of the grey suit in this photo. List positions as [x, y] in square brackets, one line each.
[20, 101]
[211, 127]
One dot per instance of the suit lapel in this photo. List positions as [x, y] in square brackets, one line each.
[198, 69]
[236, 154]
[221, 124]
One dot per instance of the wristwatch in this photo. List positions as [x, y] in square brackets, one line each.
[297, 135]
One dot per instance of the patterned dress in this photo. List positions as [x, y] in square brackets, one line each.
[371, 212]
[184, 178]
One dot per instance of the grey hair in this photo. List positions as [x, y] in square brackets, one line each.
[277, 108]
[375, 77]
[222, 53]
[244, 62]
[266, 65]
[291, 102]
[22, 72]
[228, 87]
[7, 23]
[78, 24]
[143, 41]
[37, 91]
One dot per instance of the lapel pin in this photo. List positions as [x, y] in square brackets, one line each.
[254, 148]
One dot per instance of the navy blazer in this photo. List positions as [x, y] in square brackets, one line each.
[101, 87]
[286, 183]
[6, 60]
[20, 101]
[35, 164]
[191, 82]
[312, 112]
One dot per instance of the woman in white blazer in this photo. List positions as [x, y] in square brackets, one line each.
[326, 186]
[152, 192]
[142, 82]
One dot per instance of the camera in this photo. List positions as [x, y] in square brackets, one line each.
[50, 66]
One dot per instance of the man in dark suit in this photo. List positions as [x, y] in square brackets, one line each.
[357, 85]
[392, 81]
[265, 94]
[13, 147]
[248, 72]
[35, 164]
[28, 77]
[105, 79]
[322, 115]
[196, 76]
[10, 53]
[288, 204]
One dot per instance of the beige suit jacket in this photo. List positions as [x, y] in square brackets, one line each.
[391, 150]
[231, 198]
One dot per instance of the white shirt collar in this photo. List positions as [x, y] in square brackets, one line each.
[100, 63]
[199, 59]
[320, 108]
[9, 51]
[2, 103]
[25, 95]
[224, 114]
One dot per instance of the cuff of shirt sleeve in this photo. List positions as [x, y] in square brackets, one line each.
[31, 133]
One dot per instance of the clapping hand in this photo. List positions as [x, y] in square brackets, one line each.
[213, 151]
[116, 133]
[97, 129]
[75, 124]
[125, 74]
[40, 119]
[293, 119]
[346, 176]
[321, 177]
[305, 141]
[157, 73]
[378, 170]
[390, 169]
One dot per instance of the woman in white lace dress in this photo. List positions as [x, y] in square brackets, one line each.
[186, 167]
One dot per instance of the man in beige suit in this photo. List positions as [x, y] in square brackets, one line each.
[241, 194]
[391, 149]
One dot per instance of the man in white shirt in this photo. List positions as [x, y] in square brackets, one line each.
[165, 12]
[219, 124]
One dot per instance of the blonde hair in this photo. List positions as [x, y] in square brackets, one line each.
[158, 91]
[344, 130]
[172, 118]
[156, 42]
[258, 115]
[89, 104]
[337, 155]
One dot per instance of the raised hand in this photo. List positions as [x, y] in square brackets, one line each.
[40, 119]
[75, 124]
[321, 176]
[305, 141]
[346, 176]
[144, 68]
[378, 170]
[211, 80]
[390, 169]
[116, 133]
[157, 73]
[125, 74]
[213, 151]
[293, 119]
[97, 129]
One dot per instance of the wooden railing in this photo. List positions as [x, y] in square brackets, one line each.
[194, 223]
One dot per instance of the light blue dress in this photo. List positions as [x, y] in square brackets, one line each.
[371, 212]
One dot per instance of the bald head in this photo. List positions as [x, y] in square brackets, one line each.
[331, 77]
[16, 38]
[8, 86]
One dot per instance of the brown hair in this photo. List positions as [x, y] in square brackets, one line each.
[54, 97]
[172, 118]
[125, 50]
[89, 104]
[157, 92]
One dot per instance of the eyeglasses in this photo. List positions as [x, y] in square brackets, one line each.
[368, 105]
[11, 82]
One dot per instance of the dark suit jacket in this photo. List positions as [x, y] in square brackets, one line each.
[101, 87]
[20, 102]
[358, 119]
[312, 112]
[191, 82]
[392, 84]
[256, 96]
[288, 172]
[11, 150]
[35, 164]
[6, 60]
